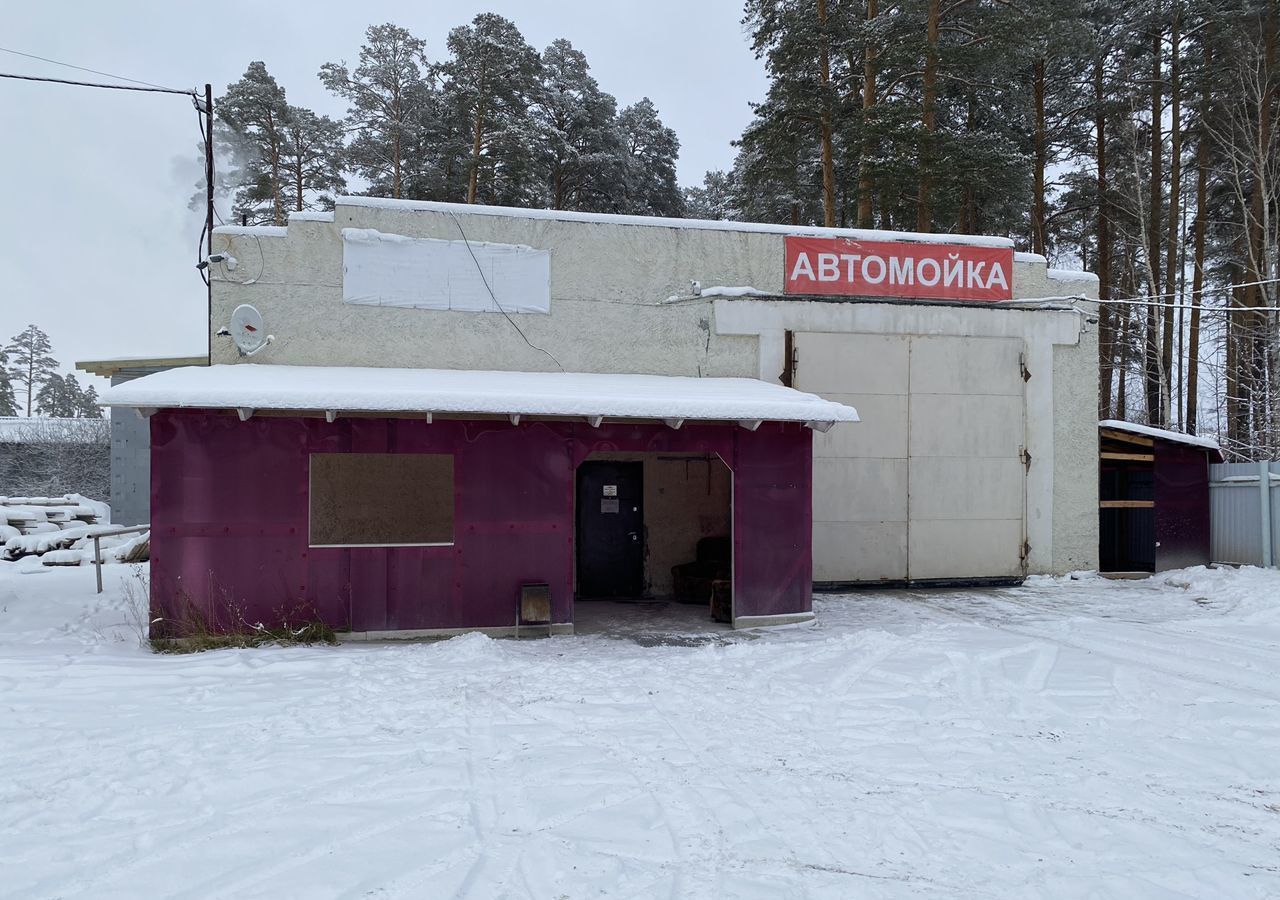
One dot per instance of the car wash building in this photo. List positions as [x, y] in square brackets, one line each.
[406, 455]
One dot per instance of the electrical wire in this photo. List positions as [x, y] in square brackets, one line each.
[204, 226]
[146, 88]
[1205, 290]
[480, 269]
[83, 69]
[97, 84]
[1193, 306]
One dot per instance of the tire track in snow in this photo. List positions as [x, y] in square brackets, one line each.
[246, 820]
[1209, 670]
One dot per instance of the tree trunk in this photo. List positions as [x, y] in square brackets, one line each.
[828, 154]
[1257, 392]
[1106, 316]
[969, 219]
[1153, 381]
[298, 178]
[866, 187]
[397, 113]
[477, 145]
[1175, 175]
[1039, 224]
[1197, 277]
[1234, 385]
[924, 211]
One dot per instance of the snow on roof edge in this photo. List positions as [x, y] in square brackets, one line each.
[311, 216]
[1176, 437]
[1071, 275]
[254, 230]
[663, 222]
[454, 391]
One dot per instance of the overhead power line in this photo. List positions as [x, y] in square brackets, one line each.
[57, 62]
[95, 84]
[1227, 309]
[1205, 290]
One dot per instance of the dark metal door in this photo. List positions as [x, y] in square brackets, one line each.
[610, 536]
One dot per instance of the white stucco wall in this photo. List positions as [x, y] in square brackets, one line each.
[610, 280]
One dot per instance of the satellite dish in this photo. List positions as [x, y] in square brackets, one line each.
[248, 330]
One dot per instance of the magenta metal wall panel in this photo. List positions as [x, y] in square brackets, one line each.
[1182, 506]
[230, 515]
[773, 521]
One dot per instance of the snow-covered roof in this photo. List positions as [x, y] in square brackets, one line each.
[1160, 434]
[353, 389]
[857, 234]
[1071, 276]
[255, 230]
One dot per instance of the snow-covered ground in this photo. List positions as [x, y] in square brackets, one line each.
[1071, 738]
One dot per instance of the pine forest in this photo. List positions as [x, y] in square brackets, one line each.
[1140, 142]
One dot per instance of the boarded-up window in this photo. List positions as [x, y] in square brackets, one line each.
[381, 499]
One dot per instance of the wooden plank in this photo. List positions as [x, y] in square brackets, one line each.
[1133, 457]
[1128, 438]
[1127, 504]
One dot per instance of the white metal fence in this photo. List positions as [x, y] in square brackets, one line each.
[1244, 511]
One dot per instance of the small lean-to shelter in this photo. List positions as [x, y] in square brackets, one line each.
[420, 502]
[1153, 497]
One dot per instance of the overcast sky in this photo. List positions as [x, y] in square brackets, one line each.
[97, 244]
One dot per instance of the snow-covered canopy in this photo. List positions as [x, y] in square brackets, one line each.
[352, 389]
[1160, 434]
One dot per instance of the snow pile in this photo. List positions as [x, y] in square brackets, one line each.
[350, 388]
[60, 531]
[1075, 737]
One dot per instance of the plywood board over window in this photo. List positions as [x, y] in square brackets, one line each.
[381, 499]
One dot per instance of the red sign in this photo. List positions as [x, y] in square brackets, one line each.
[847, 268]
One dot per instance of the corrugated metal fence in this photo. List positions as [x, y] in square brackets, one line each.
[1244, 504]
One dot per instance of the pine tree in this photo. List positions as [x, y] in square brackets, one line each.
[492, 83]
[312, 160]
[54, 399]
[252, 116]
[30, 360]
[8, 403]
[584, 151]
[801, 44]
[89, 408]
[714, 199]
[652, 148]
[391, 106]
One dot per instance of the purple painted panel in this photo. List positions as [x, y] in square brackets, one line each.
[773, 521]
[230, 517]
[1182, 506]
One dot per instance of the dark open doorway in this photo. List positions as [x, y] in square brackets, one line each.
[654, 538]
[610, 525]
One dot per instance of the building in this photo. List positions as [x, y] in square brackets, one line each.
[1153, 504]
[974, 368]
[130, 462]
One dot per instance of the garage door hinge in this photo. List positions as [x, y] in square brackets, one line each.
[1022, 364]
[1026, 551]
[790, 357]
[1025, 456]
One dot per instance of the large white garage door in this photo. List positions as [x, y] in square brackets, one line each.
[931, 484]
